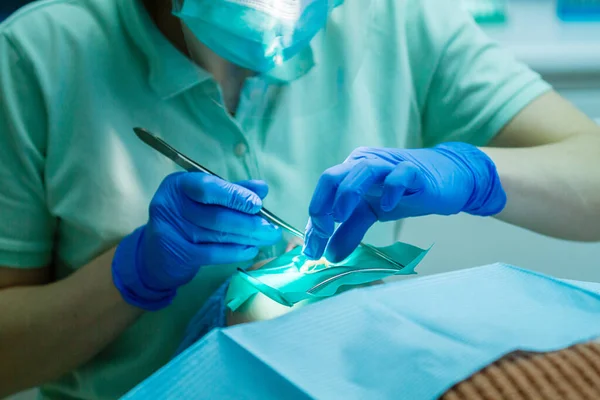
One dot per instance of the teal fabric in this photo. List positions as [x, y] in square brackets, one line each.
[77, 75]
[412, 339]
[255, 35]
[591, 286]
[287, 281]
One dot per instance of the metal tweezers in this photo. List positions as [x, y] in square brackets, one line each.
[191, 166]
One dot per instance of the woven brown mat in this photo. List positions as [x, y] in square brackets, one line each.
[569, 374]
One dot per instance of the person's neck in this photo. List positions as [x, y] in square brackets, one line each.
[229, 76]
[166, 22]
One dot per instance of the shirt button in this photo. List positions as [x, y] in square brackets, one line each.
[241, 149]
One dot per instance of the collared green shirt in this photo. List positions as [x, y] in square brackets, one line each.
[77, 75]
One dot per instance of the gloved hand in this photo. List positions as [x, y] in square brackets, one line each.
[195, 220]
[377, 184]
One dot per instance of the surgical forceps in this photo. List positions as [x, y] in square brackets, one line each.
[191, 166]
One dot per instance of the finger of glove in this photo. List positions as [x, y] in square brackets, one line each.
[350, 233]
[209, 236]
[321, 224]
[325, 192]
[214, 254]
[406, 177]
[199, 235]
[207, 189]
[259, 187]
[366, 173]
[317, 237]
[227, 221]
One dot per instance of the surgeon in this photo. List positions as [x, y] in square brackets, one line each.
[344, 114]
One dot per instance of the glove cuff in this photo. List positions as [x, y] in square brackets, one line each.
[127, 279]
[488, 196]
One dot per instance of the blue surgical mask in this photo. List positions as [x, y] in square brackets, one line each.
[254, 34]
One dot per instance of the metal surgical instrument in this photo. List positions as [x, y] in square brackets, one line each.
[191, 166]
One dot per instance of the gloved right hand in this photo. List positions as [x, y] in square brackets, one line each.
[195, 220]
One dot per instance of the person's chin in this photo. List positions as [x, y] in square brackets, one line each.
[261, 308]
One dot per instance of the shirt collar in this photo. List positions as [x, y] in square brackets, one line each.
[170, 72]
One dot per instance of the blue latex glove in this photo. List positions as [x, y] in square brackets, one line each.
[377, 184]
[195, 220]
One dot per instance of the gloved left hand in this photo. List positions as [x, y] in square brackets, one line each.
[379, 184]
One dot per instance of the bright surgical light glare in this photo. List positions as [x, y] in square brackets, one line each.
[312, 266]
[278, 59]
[275, 49]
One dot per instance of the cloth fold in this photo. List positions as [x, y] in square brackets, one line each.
[412, 339]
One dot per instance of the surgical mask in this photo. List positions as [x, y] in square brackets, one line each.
[254, 34]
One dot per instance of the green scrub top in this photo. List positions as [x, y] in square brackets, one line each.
[77, 75]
